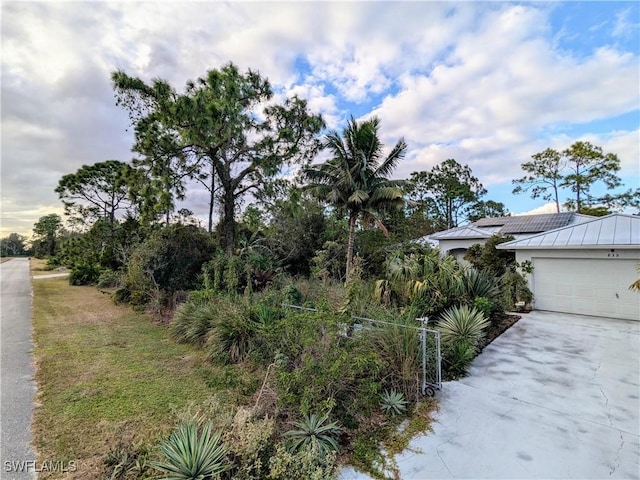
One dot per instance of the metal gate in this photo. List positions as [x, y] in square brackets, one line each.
[429, 340]
[431, 359]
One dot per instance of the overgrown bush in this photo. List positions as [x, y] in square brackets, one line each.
[515, 289]
[192, 322]
[109, 279]
[306, 463]
[400, 349]
[233, 331]
[84, 274]
[168, 261]
[250, 443]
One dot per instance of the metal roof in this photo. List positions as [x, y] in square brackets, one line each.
[528, 223]
[615, 230]
[465, 232]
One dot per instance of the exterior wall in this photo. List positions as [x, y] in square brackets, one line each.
[447, 245]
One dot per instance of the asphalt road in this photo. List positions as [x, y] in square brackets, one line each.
[16, 369]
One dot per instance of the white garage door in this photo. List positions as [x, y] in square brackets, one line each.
[586, 286]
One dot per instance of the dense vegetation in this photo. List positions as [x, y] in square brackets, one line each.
[278, 291]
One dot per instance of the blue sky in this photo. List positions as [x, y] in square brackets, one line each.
[488, 84]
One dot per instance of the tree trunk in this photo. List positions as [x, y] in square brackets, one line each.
[229, 224]
[555, 190]
[213, 182]
[352, 233]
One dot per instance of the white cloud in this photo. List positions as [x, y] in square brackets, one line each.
[484, 83]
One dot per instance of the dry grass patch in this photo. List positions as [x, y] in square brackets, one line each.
[107, 374]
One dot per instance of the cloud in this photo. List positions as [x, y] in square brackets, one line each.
[485, 83]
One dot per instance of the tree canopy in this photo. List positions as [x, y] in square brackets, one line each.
[98, 190]
[227, 120]
[576, 168]
[46, 231]
[447, 192]
[355, 179]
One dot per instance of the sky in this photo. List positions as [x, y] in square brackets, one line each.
[486, 83]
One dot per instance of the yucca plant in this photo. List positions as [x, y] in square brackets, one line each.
[315, 432]
[480, 284]
[462, 323]
[192, 455]
[393, 402]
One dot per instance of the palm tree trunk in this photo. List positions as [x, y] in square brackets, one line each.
[352, 233]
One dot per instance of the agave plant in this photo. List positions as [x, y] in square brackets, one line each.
[393, 402]
[462, 323]
[314, 432]
[191, 455]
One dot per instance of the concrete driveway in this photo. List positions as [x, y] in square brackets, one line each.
[556, 396]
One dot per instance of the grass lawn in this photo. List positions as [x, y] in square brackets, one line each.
[107, 374]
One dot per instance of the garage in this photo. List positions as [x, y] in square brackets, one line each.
[585, 269]
[597, 287]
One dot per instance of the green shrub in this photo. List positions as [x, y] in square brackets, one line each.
[126, 461]
[305, 464]
[250, 444]
[84, 274]
[456, 357]
[202, 296]
[109, 279]
[462, 323]
[315, 432]
[293, 295]
[515, 289]
[191, 453]
[484, 305]
[233, 331]
[169, 260]
[400, 348]
[193, 321]
[393, 402]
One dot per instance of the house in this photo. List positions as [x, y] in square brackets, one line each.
[457, 240]
[585, 268]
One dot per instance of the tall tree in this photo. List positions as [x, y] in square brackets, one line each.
[13, 245]
[47, 230]
[487, 208]
[226, 120]
[544, 176]
[355, 179]
[447, 192]
[98, 190]
[588, 164]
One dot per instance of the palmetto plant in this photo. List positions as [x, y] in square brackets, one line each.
[314, 432]
[393, 402]
[462, 323]
[191, 454]
[427, 281]
[355, 179]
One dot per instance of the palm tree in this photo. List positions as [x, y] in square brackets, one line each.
[355, 180]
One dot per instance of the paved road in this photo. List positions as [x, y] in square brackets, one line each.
[16, 369]
[555, 397]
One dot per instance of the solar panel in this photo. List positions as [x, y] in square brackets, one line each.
[527, 223]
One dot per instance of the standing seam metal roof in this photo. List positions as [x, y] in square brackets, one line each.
[615, 230]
